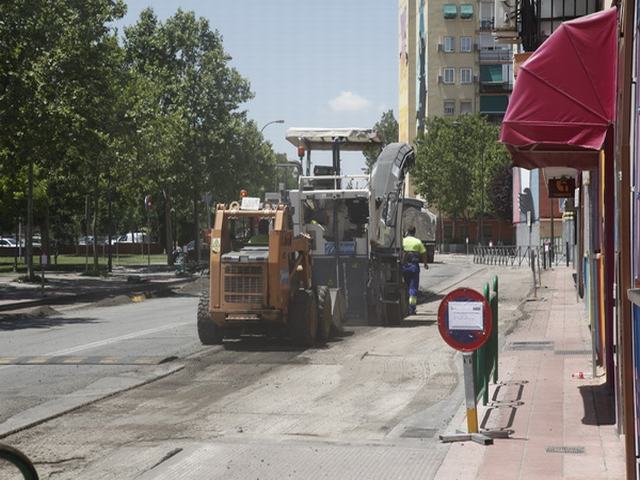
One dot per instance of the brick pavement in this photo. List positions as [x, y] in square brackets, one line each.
[563, 426]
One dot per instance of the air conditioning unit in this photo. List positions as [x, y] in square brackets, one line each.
[440, 47]
[440, 79]
[506, 13]
[476, 79]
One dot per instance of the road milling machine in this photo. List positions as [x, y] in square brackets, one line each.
[261, 278]
[355, 222]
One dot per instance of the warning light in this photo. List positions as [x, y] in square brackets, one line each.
[244, 193]
[301, 151]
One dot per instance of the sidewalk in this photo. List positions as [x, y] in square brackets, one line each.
[563, 426]
[71, 287]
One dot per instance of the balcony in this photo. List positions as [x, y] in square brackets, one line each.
[486, 25]
[496, 55]
[501, 86]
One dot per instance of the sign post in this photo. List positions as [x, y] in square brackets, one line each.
[465, 323]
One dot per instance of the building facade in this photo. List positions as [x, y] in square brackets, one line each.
[466, 69]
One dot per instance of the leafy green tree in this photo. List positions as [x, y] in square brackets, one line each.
[47, 51]
[387, 128]
[456, 161]
[193, 95]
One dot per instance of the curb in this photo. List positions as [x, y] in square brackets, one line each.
[6, 429]
[137, 291]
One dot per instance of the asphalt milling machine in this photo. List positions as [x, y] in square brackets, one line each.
[355, 222]
[322, 255]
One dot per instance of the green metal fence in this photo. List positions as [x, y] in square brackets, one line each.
[485, 359]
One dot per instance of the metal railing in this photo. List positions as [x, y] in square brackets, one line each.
[496, 54]
[517, 256]
[485, 359]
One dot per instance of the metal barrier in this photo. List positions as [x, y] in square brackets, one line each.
[509, 255]
[485, 359]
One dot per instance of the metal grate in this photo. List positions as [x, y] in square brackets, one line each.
[532, 345]
[243, 284]
[243, 269]
[572, 450]
[417, 432]
[572, 352]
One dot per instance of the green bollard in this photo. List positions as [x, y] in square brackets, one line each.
[496, 324]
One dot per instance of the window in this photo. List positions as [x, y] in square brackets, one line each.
[466, 10]
[466, 45]
[466, 107]
[450, 10]
[493, 103]
[448, 44]
[449, 107]
[466, 75]
[448, 75]
[491, 73]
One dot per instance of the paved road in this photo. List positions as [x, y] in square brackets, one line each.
[87, 346]
[369, 405]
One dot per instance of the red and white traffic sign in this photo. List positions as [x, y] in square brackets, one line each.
[465, 320]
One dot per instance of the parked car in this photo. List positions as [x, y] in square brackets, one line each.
[87, 240]
[7, 243]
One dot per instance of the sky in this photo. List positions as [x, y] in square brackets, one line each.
[323, 63]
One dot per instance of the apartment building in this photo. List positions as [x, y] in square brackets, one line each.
[466, 70]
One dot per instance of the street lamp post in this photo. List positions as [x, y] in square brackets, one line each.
[270, 123]
[261, 130]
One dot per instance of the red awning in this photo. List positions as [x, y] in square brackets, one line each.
[564, 99]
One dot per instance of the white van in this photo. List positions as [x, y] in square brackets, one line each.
[132, 237]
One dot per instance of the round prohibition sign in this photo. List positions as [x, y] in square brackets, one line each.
[464, 333]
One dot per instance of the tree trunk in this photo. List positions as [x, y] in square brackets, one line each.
[169, 227]
[196, 223]
[29, 230]
[93, 229]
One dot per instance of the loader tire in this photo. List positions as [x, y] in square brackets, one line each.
[303, 318]
[325, 315]
[208, 332]
[393, 314]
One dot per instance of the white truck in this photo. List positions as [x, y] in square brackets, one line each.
[415, 213]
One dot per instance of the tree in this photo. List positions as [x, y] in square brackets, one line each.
[456, 160]
[501, 192]
[196, 94]
[387, 128]
[50, 57]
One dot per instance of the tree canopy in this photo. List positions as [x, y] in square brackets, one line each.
[387, 128]
[458, 160]
[94, 120]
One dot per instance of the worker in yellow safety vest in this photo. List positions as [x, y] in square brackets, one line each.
[414, 253]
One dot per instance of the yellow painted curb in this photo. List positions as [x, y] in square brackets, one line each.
[138, 298]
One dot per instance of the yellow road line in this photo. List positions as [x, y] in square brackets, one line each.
[37, 360]
[109, 360]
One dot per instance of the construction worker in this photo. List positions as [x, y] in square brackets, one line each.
[414, 253]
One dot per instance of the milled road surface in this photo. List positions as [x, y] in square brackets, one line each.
[368, 405]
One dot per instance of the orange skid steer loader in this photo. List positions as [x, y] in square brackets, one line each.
[260, 279]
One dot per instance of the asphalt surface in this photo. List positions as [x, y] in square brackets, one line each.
[369, 404]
